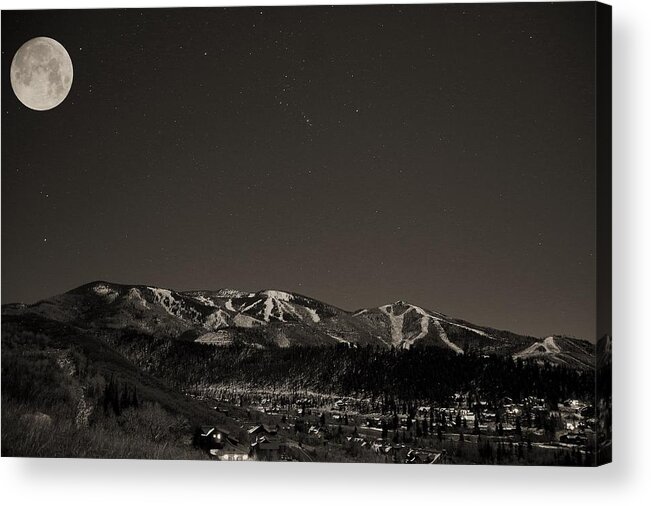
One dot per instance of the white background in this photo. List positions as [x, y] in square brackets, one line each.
[627, 481]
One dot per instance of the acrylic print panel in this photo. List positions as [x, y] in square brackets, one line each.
[373, 234]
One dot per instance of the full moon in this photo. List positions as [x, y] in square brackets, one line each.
[41, 73]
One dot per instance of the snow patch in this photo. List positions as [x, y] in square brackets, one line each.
[106, 291]
[442, 317]
[251, 306]
[135, 296]
[548, 345]
[476, 331]
[204, 300]
[220, 338]
[164, 298]
[268, 308]
[444, 336]
[277, 294]
[216, 320]
[424, 324]
[395, 324]
[236, 294]
[246, 321]
[173, 307]
[313, 314]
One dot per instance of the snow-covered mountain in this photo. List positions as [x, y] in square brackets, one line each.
[278, 318]
[561, 350]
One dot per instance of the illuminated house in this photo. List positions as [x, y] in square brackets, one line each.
[210, 437]
[230, 452]
[219, 444]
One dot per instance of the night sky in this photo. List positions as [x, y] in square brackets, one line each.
[442, 155]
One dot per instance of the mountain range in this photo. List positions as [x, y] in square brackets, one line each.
[278, 318]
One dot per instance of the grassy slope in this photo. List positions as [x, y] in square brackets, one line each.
[48, 367]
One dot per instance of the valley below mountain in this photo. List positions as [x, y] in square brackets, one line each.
[105, 362]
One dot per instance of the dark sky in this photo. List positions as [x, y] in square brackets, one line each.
[442, 155]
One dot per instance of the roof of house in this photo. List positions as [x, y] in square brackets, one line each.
[265, 443]
[436, 458]
[208, 430]
[262, 428]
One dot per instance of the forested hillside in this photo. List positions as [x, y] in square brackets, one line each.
[65, 393]
[429, 375]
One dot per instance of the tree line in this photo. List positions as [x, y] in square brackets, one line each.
[427, 374]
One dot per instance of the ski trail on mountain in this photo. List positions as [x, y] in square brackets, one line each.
[548, 344]
[443, 335]
[268, 308]
[476, 331]
[398, 337]
[395, 325]
[424, 324]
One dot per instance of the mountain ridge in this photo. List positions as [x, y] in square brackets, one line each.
[273, 317]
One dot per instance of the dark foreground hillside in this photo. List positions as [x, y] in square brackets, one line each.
[116, 393]
[67, 394]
